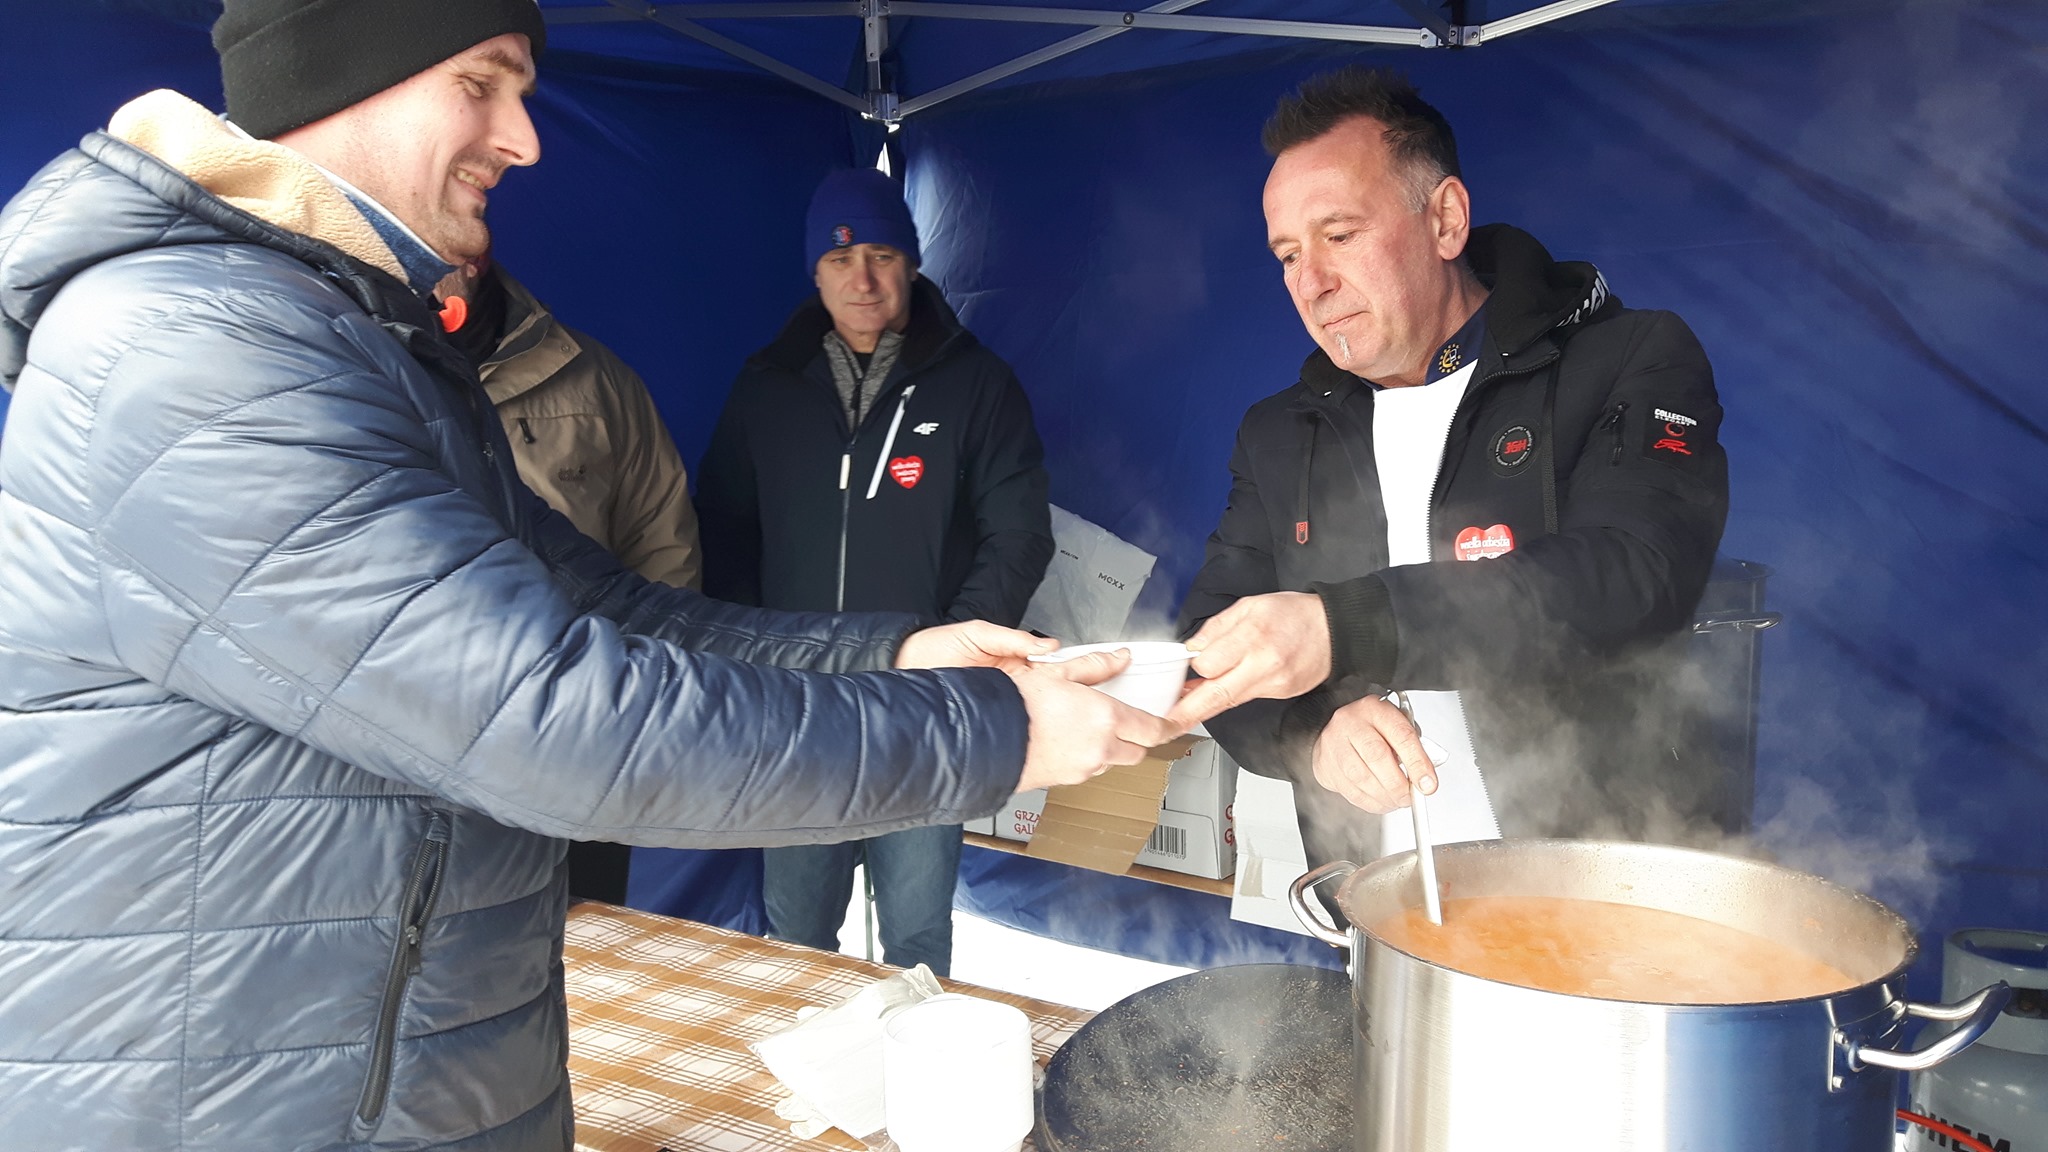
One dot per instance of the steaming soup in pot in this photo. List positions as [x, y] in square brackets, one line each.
[1609, 952]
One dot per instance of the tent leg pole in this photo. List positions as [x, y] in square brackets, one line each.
[867, 883]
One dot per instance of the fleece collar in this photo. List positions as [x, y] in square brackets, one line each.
[423, 268]
[264, 179]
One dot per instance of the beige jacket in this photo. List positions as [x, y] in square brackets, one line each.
[587, 438]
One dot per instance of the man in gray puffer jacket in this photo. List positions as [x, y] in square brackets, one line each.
[301, 690]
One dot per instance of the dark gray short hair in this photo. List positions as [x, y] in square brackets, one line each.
[1416, 133]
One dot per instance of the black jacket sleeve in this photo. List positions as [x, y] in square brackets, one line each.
[729, 507]
[1637, 530]
[1006, 487]
[1269, 737]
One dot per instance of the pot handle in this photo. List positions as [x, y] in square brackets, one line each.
[1297, 899]
[1978, 1014]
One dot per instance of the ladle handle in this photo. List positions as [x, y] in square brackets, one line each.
[1978, 1013]
[1297, 898]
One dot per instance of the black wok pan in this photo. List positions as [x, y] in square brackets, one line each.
[1229, 1059]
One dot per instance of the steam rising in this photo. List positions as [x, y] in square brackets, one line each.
[1254, 1057]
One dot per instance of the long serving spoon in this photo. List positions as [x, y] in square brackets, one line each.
[1418, 811]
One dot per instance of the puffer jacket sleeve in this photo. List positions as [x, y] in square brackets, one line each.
[281, 535]
[600, 584]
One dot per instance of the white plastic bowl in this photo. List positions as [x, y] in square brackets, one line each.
[1153, 682]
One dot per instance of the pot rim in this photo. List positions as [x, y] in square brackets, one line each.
[1406, 860]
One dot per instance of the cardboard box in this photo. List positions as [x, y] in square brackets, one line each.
[1020, 819]
[986, 826]
[1173, 814]
[1202, 783]
[1190, 844]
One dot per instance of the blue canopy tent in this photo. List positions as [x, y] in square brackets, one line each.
[1843, 198]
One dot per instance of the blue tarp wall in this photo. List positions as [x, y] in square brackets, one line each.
[1846, 201]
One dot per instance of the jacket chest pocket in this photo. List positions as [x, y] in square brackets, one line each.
[568, 461]
[415, 910]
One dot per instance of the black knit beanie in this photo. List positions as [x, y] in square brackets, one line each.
[287, 63]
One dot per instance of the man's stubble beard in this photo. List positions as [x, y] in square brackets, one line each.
[459, 239]
[464, 234]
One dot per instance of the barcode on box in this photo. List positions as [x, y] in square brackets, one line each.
[1169, 841]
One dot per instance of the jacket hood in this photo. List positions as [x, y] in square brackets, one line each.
[934, 330]
[1532, 296]
[168, 172]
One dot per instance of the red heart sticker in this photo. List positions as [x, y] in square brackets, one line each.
[1485, 543]
[907, 470]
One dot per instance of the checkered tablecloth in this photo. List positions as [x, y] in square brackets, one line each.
[660, 1015]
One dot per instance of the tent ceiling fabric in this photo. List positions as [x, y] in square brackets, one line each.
[889, 59]
[816, 43]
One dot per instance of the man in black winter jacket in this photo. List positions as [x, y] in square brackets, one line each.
[875, 456]
[1493, 488]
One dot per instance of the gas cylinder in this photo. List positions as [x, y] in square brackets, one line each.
[1996, 1089]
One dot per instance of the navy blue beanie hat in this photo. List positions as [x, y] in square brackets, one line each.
[858, 206]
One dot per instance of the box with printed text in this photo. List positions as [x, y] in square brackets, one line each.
[1193, 831]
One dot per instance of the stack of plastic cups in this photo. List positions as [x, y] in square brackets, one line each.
[957, 1076]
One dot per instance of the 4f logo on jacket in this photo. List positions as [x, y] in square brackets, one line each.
[926, 428]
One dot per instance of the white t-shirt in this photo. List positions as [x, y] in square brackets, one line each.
[1409, 429]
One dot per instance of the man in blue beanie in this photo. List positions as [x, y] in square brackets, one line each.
[875, 456]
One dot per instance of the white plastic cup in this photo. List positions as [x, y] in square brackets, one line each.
[957, 1075]
[1153, 682]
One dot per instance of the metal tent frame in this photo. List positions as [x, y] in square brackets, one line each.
[879, 102]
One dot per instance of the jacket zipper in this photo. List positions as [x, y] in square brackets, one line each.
[889, 441]
[1470, 399]
[1443, 461]
[846, 486]
[1613, 423]
[845, 514]
[415, 907]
